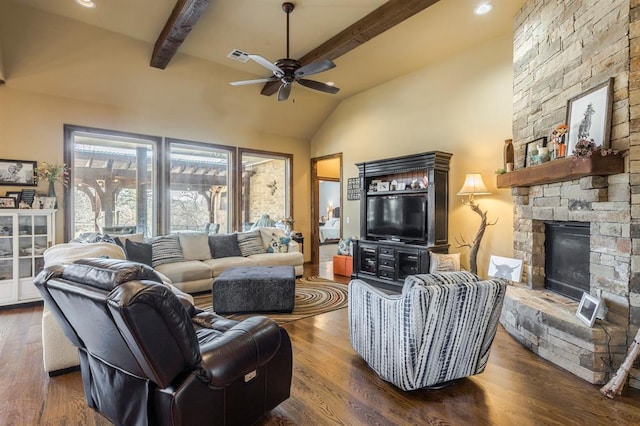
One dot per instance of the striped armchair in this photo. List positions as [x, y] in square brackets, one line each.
[439, 329]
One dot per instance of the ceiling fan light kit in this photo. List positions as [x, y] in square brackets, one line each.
[289, 71]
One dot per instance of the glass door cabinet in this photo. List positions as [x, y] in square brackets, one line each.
[24, 236]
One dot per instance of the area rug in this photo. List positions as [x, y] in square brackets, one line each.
[314, 295]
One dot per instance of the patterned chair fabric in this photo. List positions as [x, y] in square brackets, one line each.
[440, 328]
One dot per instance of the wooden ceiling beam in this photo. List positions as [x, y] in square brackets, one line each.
[380, 20]
[184, 16]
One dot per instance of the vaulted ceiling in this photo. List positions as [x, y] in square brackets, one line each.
[258, 26]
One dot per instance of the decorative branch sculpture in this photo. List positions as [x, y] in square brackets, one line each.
[473, 254]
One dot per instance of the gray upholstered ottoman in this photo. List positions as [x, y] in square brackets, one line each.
[255, 289]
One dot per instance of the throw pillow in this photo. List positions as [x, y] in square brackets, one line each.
[250, 243]
[166, 249]
[120, 243]
[444, 262]
[278, 244]
[138, 238]
[345, 247]
[138, 252]
[104, 238]
[224, 245]
[195, 246]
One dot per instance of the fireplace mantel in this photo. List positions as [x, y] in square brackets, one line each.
[562, 170]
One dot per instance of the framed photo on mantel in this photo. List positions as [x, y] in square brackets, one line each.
[589, 116]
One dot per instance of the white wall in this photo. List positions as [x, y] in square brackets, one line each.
[462, 106]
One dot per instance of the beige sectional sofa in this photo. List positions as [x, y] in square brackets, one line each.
[192, 260]
[196, 273]
[193, 268]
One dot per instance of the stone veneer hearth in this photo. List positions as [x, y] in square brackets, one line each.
[561, 49]
[544, 321]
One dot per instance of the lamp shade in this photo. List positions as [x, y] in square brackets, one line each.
[473, 185]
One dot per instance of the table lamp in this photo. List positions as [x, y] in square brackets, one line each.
[474, 185]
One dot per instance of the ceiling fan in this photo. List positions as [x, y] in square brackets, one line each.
[289, 71]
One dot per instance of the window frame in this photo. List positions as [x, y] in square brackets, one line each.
[68, 154]
[162, 150]
[166, 158]
[238, 177]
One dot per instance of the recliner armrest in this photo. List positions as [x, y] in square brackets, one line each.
[242, 349]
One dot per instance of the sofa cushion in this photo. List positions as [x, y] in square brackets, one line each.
[195, 246]
[138, 252]
[217, 266]
[278, 259]
[267, 234]
[166, 249]
[278, 244]
[138, 238]
[250, 243]
[189, 270]
[224, 245]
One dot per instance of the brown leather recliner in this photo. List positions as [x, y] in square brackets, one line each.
[147, 357]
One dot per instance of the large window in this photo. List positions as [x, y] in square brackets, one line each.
[199, 185]
[123, 181]
[265, 187]
[114, 181]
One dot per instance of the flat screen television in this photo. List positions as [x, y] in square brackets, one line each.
[400, 217]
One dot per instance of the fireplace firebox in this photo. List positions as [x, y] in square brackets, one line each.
[567, 251]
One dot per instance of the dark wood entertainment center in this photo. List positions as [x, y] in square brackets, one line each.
[385, 258]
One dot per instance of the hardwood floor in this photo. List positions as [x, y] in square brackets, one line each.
[332, 385]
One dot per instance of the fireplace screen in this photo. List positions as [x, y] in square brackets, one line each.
[567, 258]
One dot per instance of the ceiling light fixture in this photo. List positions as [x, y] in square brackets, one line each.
[89, 4]
[483, 8]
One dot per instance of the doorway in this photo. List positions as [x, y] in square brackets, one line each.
[326, 204]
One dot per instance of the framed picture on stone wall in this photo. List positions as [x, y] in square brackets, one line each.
[589, 116]
[588, 309]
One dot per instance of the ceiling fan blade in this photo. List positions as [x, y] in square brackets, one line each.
[260, 80]
[315, 68]
[268, 65]
[312, 84]
[284, 91]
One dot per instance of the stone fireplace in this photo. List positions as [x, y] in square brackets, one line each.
[544, 320]
[562, 49]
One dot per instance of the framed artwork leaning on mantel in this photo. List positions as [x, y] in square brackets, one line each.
[589, 116]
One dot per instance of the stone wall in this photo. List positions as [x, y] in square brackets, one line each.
[634, 171]
[562, 49]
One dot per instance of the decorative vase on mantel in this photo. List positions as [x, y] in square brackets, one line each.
[52, 193]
